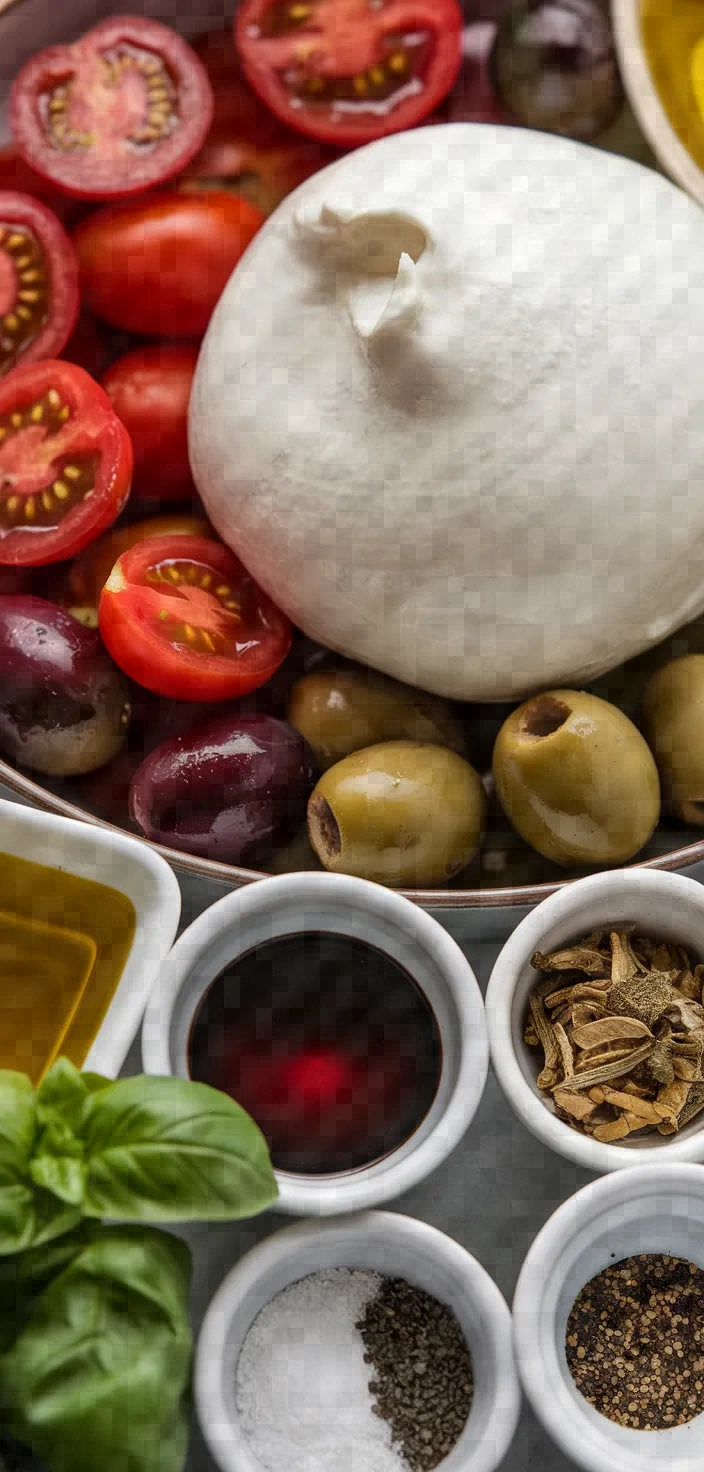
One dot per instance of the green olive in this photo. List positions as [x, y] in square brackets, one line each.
[673, 723]
[576, 779]
[341, 711]
[402, 813]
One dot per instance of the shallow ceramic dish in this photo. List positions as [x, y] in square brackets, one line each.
[507, 874]
[646, 102]
[665, 906]
[383, 1242]
[124, 864]
[658, 1209]
[350, 907]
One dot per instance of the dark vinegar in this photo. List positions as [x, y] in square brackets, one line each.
[327, 1043]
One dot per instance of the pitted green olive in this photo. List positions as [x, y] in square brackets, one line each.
[341, 711]
[673, 723]
[403, 813]
[576, 779]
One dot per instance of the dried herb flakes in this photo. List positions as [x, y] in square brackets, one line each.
[620, 1022]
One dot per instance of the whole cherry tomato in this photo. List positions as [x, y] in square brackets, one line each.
[150, 391]
[183, 617]
[347, 71]
[159, 265]
[118, 111]
[65, 463]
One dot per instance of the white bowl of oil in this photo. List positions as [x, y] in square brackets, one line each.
[87, 916]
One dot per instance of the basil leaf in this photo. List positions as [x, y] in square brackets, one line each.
[17, 1124]
[63, 1175]
[60, 1098]
[97, 1376]
[164, 1149]
[27, 1274]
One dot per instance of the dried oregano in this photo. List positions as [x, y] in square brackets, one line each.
[620, 1022]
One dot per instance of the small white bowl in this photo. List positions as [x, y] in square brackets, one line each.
[337, 903]
[667, 906]
[650, 1209]
[383, 1242]
[123, 863]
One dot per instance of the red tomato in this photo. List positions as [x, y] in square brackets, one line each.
[120, 110]
[150, 391]
[248, 151]
[89, 573]
[38, 282]
[159, 266]
[183, 617]
[65, 463]
[259, 173]
[348, 71]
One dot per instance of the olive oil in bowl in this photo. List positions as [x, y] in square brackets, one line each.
[64, 943]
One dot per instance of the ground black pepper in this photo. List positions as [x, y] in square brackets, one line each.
[635, 1342]
[422, 1381]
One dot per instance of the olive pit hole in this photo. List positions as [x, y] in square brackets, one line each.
[325, 827]
[544, 716]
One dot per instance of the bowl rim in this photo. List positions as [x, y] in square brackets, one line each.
[552, 1131]
[645, 99]
[260, 1261]
[233, 875]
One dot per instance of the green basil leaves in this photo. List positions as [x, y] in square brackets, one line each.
[141, 1149]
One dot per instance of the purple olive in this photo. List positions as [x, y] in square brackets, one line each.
[226, 789]
[63, 705]
[555, 69]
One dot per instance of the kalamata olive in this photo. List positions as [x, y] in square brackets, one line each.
[226, 789]
[576, 779]
[555, 68]
[344, 710]
[400, 813]
[64, 708]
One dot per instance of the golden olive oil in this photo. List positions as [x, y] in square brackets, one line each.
[64, 943]
[671, 30]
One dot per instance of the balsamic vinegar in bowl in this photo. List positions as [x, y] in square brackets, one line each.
[327, 1042]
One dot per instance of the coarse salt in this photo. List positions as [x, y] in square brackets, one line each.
[302, 1385]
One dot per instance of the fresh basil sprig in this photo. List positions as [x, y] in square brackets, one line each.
[95, 1343]
[140, 1149]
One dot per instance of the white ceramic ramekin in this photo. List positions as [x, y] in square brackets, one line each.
[293, 903]
[123, 863]
[667, 906]
[658, 1208]
[384, 1242]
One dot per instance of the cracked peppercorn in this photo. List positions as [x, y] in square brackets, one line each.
[423, 1382]
[635, 1342]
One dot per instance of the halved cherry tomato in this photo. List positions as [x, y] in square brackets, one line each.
[348, 71]
[150, 390]
[248, 151]
[88, 575]
[183, 617]
[120, 110]
[65, 463]
[38, 282]
[160, 265]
